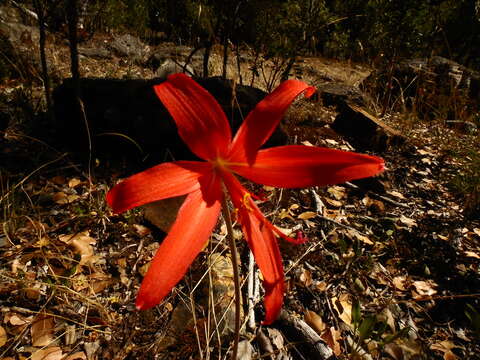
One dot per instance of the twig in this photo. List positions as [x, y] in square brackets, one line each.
[319, 209]
[251, 291]
[29, 175]
[339, 224]
[378, 196]
[236, 276]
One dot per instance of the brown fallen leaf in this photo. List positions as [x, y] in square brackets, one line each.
[446, 347]
[315, 321]
[472, 254]
[399, 282]
[77, 356]
[343, 306]
[332, 336]
[424, 288]
[51, 353]
[407, 221]
[82, 243]
[334, 203]
[306, 277]
[42, 331]
[62, 198]
[141, 230]
[396, 194]
[338, 192]
[354, 234]
[17, 319]
[3, 336]
[74, 182]
[307, 215]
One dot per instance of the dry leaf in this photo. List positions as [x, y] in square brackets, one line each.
[332, 337]
[373, 205]
[82, 243]
[141, 230]
[343, 305]
[444, 346]
[3, 336]
[51, 353]
[360, 237]
[389, 319]
[424, 288]
[77, 356]
[307, 215]
[314, 321]
[476, 231]
[472, 254]
[74, 182]
[62, 198]
[16, 319]
[42, 331]
[399, 282]
[99, 281]
[450, 356]
[333, 202]
[321, 285]
[395, 351]
[338, 192]
[284, 213]
[407, 221]
[306, 277]
[245, 350]
[396, 194]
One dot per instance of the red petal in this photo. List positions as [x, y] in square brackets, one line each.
[200, 120]
[262, 242]
[159, 182]
[298, 166]
[262, 121]
[188, 236]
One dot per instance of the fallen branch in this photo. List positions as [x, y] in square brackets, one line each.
[312, 345]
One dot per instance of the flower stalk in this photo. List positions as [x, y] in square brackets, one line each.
[236, 275]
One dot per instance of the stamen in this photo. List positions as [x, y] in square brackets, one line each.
[247, 197]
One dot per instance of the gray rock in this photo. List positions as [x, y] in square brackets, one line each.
[129, 46]
[170, 66]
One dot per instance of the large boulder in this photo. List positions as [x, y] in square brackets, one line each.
[125, 116]
[365, 131]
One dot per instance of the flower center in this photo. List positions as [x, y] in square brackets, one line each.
[219, 163]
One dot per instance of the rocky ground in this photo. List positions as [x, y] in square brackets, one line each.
[390, 271]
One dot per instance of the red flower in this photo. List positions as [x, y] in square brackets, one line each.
[204, 128]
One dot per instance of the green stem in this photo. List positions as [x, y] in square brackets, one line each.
[236, 276]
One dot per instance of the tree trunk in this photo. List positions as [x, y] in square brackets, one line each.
[72, 19]
[40, 10]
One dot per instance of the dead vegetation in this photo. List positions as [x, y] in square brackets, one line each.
[390, 271]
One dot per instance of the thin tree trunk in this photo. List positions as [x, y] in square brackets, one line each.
[225, 56]
[72, 18]
[40, 10]
[239, 68]
[206, 57]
